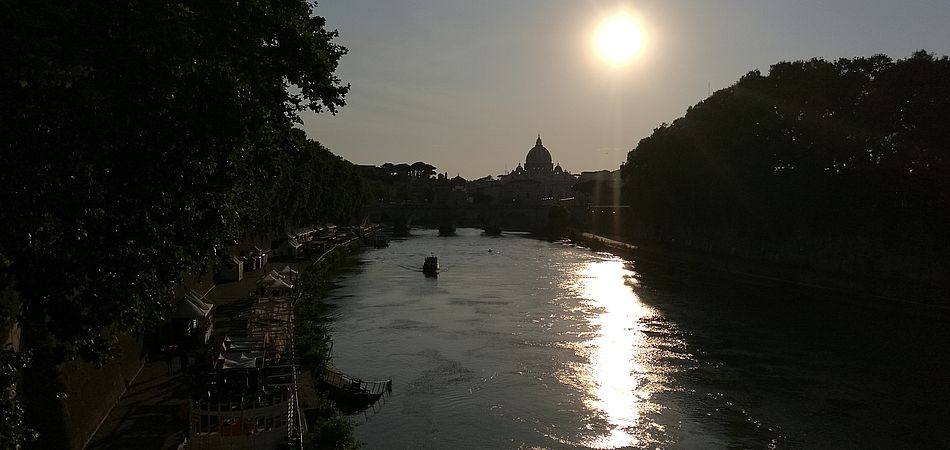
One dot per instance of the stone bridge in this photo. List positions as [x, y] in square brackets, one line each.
[520, 217]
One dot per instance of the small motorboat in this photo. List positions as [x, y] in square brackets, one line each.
[431, 266]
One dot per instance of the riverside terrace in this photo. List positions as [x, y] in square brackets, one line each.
[248, 397]
[155, 411]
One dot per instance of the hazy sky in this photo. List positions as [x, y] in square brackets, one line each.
[466, 85]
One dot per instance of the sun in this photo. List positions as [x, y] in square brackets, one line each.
[619, 40]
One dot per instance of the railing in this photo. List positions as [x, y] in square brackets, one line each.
[332, 249]
[296, 423]
[245, 404]
[355, 385]
[246, 424]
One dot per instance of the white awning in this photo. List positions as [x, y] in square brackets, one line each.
[238, 360]
[191, 306]
[279, 284]
[267, 279]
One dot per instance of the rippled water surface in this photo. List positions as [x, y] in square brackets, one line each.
[541, 345]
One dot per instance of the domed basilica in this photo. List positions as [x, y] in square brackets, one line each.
[539, 179]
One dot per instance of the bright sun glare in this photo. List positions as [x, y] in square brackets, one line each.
[619, 39]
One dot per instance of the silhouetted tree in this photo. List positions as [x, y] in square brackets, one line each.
[423, 170]
[389, 169]
[316, 186]
[839, 165]
[402, 170]
[140, 139]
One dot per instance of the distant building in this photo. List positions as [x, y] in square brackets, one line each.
[600, 187]
[537, 181]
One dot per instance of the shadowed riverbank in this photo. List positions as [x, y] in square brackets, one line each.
[901, 291]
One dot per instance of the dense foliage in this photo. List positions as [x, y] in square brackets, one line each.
[402, 182]
[315, 186]
[840, 165]
[13, 429]
[140, 139]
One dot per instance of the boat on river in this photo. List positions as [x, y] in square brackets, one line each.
[431, 266]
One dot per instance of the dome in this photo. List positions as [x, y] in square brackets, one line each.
[538, 159]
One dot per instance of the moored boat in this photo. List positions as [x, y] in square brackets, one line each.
[352, 395]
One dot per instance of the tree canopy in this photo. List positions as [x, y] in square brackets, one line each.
[841, 165]
[316, 186]
[140, 139]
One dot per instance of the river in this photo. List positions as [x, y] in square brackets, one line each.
[542, 345]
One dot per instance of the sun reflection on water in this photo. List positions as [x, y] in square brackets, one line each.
[614, 376]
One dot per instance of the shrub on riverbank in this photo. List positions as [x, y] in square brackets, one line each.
[328, 427]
